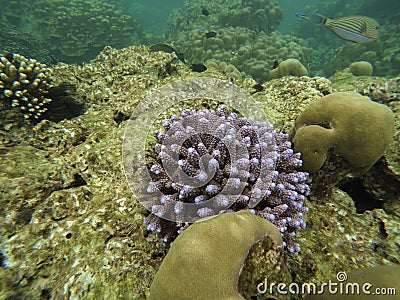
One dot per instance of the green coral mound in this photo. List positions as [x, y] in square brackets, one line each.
[361, 68]
[244, 36]
[259, 15]
[358, 129]
[290, 66]
[255, 52]
[205, 261]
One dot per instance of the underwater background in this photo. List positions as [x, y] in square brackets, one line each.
[81, 88]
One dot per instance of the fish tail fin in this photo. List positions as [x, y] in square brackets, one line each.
[322, 20]
[303, 16]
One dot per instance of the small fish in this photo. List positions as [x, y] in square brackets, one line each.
[204, 11]
[275, 65]
[167, 49]
[198, 68]
[210, 34]
[356, 29]
[258, 87]
[9, 56]
[162, 48]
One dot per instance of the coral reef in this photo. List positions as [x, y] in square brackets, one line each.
[61, 186]
[251, 52]
[189, 16]
[13, 40]
[75, 30]
[230, 71]
[185, 270]
[245, 36]
[24, 84]
[284, 99]
[288, 67]
[237, 179]
[361, 68]
[383, 181]
[258, 15]
[358, 129]
[331, 54]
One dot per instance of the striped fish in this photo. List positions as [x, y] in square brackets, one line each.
[357, 29]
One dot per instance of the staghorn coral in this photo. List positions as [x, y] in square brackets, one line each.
[237, 179]
[24, 83]
[185, 271]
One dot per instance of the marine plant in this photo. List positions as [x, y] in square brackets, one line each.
[234, 182]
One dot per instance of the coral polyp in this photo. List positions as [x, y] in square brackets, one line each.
[218, 163]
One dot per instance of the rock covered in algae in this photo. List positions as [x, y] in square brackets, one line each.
[358, 129]
[364, 282]
[205, 261]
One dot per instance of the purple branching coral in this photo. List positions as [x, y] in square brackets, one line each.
[236, 162]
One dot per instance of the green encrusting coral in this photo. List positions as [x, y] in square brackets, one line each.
[358, 129]
[205, 261]
[290, 66]
[259, 15]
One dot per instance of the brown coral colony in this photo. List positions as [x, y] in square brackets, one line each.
[24, 83]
